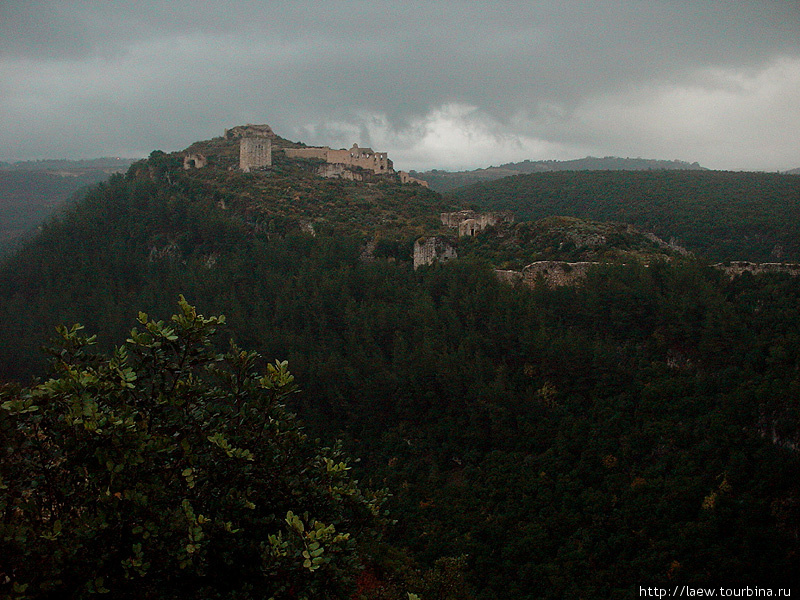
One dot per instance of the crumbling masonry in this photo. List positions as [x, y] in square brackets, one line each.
[255, 153]
[365, 158]
[433, 249]
[194, 161]
[339, 163]
[469, 222]
[255, 145]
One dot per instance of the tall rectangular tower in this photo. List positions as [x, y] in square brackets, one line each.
[254, 153]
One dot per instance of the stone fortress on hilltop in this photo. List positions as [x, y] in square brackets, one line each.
[256, 149]
[258, 142]
[365, 158]
[255, 145]
[341, 163]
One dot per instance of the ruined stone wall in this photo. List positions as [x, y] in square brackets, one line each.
[255, 153]
[321, 153]
[491, 219]
[433, 249]
[454, 219]
[469, 227]
[194, 161]
[365, 158]
[406, 178]
[556, 273]
[736, 268]
[470, 222]
[338, 170]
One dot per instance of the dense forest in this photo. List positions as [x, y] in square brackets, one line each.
[27, 199]
[31, 191]
[445, 181]
[640, 428]
[719, 215]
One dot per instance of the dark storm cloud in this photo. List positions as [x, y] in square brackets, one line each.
[525, 76]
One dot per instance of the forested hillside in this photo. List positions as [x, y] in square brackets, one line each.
[27, 199]
[31, 191]
[719, 215]
[640, 428]
[445, 181]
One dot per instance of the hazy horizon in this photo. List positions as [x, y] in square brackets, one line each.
[521, 160]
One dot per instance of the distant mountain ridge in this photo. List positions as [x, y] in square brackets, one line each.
[32, 190]
[106, 165]
[443, 181]
[721, 215]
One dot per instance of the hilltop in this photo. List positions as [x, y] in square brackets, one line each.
[298, 194]
[443, 181]
[291, 194]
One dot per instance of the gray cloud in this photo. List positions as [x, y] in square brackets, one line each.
[510, 80]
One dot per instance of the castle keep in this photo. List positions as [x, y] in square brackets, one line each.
[255, 153]
[255, 145]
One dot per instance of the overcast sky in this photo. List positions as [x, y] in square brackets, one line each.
[436, 84]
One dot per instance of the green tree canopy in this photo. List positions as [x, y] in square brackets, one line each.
[170, 470]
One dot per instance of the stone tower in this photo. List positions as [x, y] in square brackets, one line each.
[433, 249]
[255, 152]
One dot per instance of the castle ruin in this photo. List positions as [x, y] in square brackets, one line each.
[556, 273]
[406, 178]
[255, 145]
[552, 273]
[365, 158]
[470, 222]
[433, 249]
[340, 163]
[255, 153]
[194, 161]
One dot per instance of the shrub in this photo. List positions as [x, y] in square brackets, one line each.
[169, 470]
